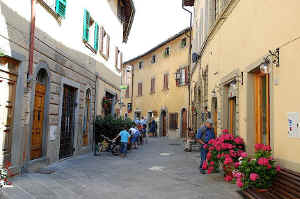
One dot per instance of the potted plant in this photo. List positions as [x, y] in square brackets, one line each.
[226, 150]
[257, 172]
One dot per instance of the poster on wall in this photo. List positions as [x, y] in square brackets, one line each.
[293, 125]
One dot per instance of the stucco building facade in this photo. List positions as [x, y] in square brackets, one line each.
[154, 91]
[58, 60]
[247, 71]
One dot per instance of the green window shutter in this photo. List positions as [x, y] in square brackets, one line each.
[60, 7]
[96, 41]
[86, 25]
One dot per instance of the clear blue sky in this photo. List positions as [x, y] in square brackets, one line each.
[154, 22]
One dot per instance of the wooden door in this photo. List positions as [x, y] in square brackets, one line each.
[215, 115]
[85, 136]
[184, 123]
[67, 122]
[37, 123]
[232, 115]
[262, 108]
[8, 81]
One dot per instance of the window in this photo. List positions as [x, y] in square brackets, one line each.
[90, 32]
[121, 11]
[141, 65]
[153, 59]
[129, 107]
[105, 43]
[173, 121]
[60, 7]
[183, 43]
[140, 89]
[56, 7]
[166, 81]
[118, 59]
[183, 76]
[127, 92]
[152, 89]
[167, 52]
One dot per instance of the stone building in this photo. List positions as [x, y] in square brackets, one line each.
[246, 71]
[157, 85]
[58, 60]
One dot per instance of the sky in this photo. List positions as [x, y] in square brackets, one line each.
[155, 21]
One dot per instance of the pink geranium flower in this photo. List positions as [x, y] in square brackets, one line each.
[225, 131]
[254, 176]
[263, 161]
[239, 183]
[227, 160]
[259, 147]
[236, 165]
[212, 163]
[208, 156]
[278, 168]
[211, 148]
[204, 165]
[244, 154]
[205, 146]
[267, 148]
[228, 178]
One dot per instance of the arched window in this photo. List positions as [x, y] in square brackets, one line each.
[86, 117]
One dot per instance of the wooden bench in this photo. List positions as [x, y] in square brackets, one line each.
[286, 185]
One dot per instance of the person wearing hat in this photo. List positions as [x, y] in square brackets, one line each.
[204, 135]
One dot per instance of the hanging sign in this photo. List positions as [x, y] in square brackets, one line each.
[123, 87]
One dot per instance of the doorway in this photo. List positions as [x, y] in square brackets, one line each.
[67, 122]
[86, 118]
[164, 123]
[262, 108]
[184, 123]
[8, 82]
[232, 115]
[215, 113]
[38, 115]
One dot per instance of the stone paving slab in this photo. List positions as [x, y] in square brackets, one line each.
[157, 170]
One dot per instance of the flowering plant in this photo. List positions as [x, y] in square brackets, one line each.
[4, 172]
[225, 149]
[256, 172]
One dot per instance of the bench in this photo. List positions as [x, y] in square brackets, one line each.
[286, 185]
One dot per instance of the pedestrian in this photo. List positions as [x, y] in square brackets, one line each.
[124, 142]
[204, 135]
[134, 137]
[205, 115]
[144, 133]
[152, 128]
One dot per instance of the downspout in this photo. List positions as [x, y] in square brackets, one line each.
[189, 66]
[31, 44]
[95, 110]
[132, 77]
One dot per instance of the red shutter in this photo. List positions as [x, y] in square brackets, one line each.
[101, 39]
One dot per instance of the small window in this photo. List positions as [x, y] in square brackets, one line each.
[166, 81]
[140, 89]
[153, 59]
[173, 121]
[90, 32]
[183, 77]
[105, 44]
[127, 92]
[118, 59]
[167, 52]
[141, 65]
[183, 43]
[152, 89]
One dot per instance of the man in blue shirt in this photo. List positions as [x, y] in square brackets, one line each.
[204, 134]
[124, 141]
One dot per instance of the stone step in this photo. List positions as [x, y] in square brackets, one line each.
[36, 165]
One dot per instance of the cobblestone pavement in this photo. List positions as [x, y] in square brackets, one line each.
[157, 170]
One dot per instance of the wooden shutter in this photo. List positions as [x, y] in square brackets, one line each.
[140, 89]
[121, 60]
[96, 40]
[101, 39]
[186, 75]
[116, 56]
[60, 7]
[164, 81]
[167, 81]
[108, 46]
[86, 25]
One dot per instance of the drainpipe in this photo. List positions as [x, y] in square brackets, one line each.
[189, 65]
[31, 44]
[132, 77]
[95, 114]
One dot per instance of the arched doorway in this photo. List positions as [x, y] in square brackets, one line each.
[38, 115]
[164, 123]
[86, 119]
[184, 123]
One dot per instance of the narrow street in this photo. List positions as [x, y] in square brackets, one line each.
[159, 169]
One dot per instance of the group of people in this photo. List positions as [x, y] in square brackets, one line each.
[152, 125]
[132, 137]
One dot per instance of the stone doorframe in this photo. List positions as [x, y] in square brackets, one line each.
[164, 109]
[18, 136]
[42, 65]
[77, 126]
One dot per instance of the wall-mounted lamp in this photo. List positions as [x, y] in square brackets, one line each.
[213, 93]
[273, 57]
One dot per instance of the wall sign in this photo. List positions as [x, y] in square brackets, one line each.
[293, 125]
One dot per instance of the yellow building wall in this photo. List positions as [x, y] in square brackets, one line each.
[252, 29]
[175, 98]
